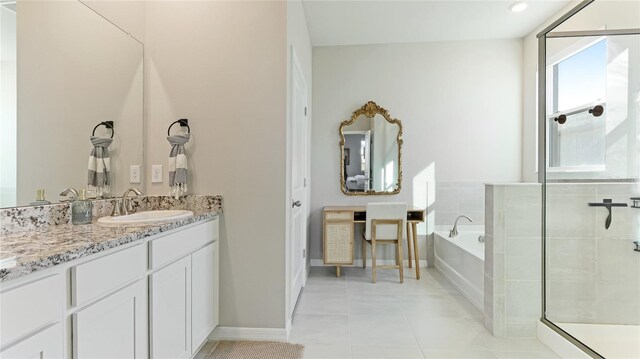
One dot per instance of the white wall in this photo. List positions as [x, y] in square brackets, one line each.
[598, 15]
[459, 102]
[222, 65]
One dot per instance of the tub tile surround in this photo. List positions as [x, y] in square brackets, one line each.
[42, 245]
[453, 199]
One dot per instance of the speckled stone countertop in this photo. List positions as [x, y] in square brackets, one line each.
[26, 251]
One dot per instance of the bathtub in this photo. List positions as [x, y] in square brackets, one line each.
[461, 260]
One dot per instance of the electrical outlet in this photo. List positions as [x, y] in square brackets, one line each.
[134, 174]
[156, 174]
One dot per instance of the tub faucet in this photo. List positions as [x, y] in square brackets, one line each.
[454, 231]
[126, 202]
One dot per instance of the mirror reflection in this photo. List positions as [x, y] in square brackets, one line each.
[66, 69]
[371, 152]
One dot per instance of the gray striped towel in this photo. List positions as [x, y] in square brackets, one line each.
[178, 165]
[99, 165]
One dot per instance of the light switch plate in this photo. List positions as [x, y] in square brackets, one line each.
[134, 174]
[156, 174]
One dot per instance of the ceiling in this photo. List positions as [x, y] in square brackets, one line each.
[392, 21]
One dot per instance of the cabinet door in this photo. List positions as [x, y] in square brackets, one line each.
[204, 293]
[338, 242]
[43, 345]
[114, 327]
[170, 301]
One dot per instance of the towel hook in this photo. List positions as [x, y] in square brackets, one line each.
[183, 122]
[107, 124]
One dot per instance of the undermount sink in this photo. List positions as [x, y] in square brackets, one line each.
[148, 217]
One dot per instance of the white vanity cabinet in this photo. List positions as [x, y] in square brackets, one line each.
[153, 298]
[184, 293]
[31, 313]
[46, 344]
[114, 327]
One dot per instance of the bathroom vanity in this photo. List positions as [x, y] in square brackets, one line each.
[111, 292]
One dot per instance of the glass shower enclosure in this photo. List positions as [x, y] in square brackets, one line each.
[589, 167]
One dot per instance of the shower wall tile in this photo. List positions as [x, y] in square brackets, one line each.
[523, 257]
[571, 259]
[616, 262]
[523, 301]
[571, 216]
[523, 215]
[593, 271]
[617, 302]
[513, 217]
[572, 302]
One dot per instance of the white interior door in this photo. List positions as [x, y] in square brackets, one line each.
[298, 230]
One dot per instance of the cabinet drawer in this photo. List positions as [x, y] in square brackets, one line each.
[102, 276]
[47, 344]
[338, 216]
[30, 307]
[179, 244]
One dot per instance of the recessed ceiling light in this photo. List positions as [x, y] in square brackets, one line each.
[518, 6]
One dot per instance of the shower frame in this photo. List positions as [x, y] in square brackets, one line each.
[542, 144]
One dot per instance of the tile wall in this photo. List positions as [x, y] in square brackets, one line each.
[458, 198]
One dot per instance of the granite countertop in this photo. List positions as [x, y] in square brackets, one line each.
[24, 252]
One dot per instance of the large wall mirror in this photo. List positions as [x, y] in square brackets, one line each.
[65, 69]
[371, 152]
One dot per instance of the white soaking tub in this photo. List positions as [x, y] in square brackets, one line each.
[461, 260]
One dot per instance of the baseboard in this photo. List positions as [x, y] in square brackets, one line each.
[239, 333]
[358, 263]
[558, 344]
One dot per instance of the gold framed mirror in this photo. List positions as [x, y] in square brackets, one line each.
[371, 152]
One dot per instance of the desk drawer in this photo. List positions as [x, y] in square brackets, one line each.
[102, 276]
[338, 216]
[30, 307]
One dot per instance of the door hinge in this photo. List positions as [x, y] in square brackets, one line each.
[304, 253]
[305, 111]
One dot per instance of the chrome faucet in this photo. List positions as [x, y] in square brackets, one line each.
[454, 231]
[125, 202]
[69, 191]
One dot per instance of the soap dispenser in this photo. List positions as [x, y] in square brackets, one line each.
[40, 198]
[82, 209]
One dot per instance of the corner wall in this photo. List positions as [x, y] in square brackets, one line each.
[222, 65]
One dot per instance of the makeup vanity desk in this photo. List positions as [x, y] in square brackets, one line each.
[338, 228]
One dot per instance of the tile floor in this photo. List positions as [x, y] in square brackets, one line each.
[350, 317]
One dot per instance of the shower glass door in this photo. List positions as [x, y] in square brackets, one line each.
[591, 155]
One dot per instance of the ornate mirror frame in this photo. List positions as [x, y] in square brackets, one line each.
[370, 109]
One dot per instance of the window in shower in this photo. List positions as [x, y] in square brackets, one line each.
[576, 84]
